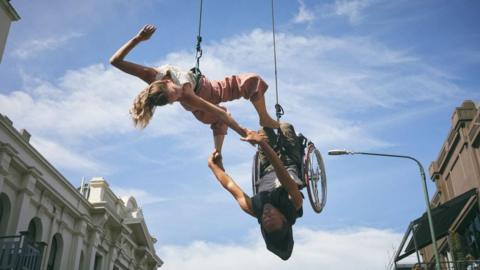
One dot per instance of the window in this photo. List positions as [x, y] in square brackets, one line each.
[53, 262]
[32, 231]
[4, 213]
[98, 262]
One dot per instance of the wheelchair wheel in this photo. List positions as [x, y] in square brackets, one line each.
[315, 178]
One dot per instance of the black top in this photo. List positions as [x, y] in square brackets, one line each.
[279, 242]
[278, 198]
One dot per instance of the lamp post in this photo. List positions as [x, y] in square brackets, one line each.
[425, 192]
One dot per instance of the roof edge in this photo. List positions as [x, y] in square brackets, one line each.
[10, 10]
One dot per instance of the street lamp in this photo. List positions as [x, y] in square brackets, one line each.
[338, 152]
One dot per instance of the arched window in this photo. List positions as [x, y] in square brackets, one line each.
[34, 231]
[55, 256]
[4, 213]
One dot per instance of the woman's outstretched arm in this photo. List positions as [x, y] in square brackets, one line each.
[282, 174]
[244, 201]
[147, 74]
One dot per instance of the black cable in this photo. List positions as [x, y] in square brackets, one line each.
[199, 39]
[278, 108]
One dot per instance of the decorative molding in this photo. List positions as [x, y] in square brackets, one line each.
[98, 221]
[81, 226]
[29, 180]
[12, 13]
[6, 153]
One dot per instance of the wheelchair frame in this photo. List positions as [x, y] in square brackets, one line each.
[312, 173]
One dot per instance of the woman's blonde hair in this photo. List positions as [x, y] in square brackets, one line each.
[145, 102]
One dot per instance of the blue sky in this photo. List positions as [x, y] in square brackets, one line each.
[367, 75]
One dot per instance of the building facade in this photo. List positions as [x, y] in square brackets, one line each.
[457, 168]
[46, 223]
[7, 16]
[455, 204]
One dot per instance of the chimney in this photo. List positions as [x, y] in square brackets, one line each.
[25, 134]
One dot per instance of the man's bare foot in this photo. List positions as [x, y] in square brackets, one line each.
[269, 123]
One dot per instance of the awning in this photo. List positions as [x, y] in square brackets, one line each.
[443, 217]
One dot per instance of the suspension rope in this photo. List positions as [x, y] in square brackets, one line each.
[196, 70]
[199, 39]
[278, 108]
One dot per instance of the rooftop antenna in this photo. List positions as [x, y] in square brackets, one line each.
[81, 185]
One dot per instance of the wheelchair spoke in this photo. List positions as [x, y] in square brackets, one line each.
[315, 176]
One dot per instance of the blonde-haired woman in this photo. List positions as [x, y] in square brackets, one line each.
[168, 84]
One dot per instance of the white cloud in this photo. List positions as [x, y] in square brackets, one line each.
[83, 107]
[241, 172]
[361, 248]
[143, 197]
[304, 15]
[322, 80]
[85, 103]
[63, 157]
[352, 8]
[31, 48]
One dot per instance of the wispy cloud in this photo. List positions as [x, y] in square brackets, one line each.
[34, 47]
[62, 157]
[352, 9]
[319, 75]
[304, 15]
[143, 197]
[84, 103]
[314, 249]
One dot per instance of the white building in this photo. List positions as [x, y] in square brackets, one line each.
[47, 223]
[7, 16]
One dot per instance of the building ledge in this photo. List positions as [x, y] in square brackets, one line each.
[12, 13]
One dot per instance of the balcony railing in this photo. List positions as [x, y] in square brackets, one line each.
[20, 253]
[444, 265]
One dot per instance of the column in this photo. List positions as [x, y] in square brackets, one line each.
[77, 244]
[23, 209]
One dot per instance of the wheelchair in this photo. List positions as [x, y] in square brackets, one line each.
[311, 172]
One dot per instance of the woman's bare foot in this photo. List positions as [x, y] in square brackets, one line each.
[269, 123]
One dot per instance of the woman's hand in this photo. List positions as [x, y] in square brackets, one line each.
[215, 160]
[253, 137]
[146, 32]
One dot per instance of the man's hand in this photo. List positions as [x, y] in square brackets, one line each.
[215, 160]
[253, 137]
[146, 32]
